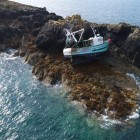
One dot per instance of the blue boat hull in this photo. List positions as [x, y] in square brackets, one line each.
[91, 51]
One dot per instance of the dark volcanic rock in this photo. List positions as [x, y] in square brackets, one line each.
[35, 31]
[13, 14]
[37, 24]
[8, 32]
[31, 19]
[132, 47]
[53, 16]
[10, 37]
[26, 20]
[8, 14]
[51, 37]
[101, 29]
[88, 32]
[125, 40]
[119, 32]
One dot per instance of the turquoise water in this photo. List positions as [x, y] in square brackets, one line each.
[100, 11]
[29, 110]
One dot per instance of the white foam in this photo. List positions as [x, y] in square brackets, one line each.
[11, 58]
[136, 78]
[8, 55]
[79, 104]
[58, 85]
[135, 115]
[80, 107]
[106, 122]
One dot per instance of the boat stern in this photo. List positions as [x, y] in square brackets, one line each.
[67, 52]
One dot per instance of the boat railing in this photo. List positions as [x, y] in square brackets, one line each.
[84, 43]
[81, 44]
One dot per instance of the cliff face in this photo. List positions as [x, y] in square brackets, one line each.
[101, 85]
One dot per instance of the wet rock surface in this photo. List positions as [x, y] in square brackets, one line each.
[98, 86]
[101, 85]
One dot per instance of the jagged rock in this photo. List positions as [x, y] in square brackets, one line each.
[22, 50]
[36, 20]
[35, 31]
[120, 31]
[65, 83]
[26, 19]
[74, 22]
[53, 16]
[51, 37]
[34, 57]
[101, 29]
[10, 37]
[37, 24]
[132, 47]
[88, 32]
[126, 40]
[8, 14]
[117, 32]
[49, 80]
[16, 53]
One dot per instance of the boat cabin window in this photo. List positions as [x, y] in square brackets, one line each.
[85, 43]
[69, 36]
[100, 40]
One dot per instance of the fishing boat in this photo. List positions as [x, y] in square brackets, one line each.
[79, 47]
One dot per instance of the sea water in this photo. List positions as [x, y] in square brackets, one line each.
[30, 110]
[98, 11]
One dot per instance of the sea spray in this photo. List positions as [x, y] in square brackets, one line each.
[135, 77]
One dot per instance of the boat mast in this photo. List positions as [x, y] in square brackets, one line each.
[93, 30]
[73, 35]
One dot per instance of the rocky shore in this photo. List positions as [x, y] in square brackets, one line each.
[101, 85]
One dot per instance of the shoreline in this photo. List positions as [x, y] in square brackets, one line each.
[103, 120]
[99, 85]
